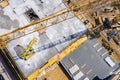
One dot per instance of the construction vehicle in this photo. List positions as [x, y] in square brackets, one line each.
[3, 3]
[25, 54]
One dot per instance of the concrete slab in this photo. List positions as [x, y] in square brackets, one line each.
[16, 9]
[51, 34]
[6, 23]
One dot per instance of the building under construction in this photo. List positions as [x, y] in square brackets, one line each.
[60, 39]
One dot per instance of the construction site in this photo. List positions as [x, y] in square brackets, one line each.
[60, 39]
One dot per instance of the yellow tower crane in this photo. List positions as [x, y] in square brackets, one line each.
[43, 23]
[50, 20]
[29, 48]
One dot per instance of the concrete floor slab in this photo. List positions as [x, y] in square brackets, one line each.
[16, 9]
[6, 23]
[51, 34]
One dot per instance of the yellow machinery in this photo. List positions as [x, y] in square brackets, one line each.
[29, 48]
[43, 23]
[3, 3]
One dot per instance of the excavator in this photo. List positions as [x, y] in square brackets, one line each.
[25, 54]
